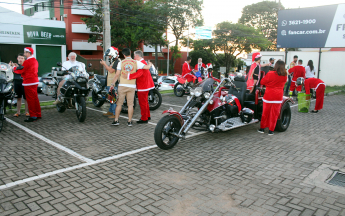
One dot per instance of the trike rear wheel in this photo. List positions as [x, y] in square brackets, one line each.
[163, 132]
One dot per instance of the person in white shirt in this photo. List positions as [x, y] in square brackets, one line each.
[66, 66]
[310, 70]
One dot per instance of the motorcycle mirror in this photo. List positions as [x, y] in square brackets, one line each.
[59, 64]
[90, 65]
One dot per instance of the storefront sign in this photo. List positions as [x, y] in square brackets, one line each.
[203, 32]
[314, 27]
[10, 33]
[44, 35]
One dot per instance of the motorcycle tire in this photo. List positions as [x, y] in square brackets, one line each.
[157, 95]
[2, 119]
[162, 132]
[96, 101]
[81, 112]
[125, 107]
[60, 108]
[178, 93]
[285, 118]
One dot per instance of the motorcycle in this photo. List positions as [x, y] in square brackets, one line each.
[214, 110]
[73, 92]
[99, 93]
[181, 88]
[6, 90]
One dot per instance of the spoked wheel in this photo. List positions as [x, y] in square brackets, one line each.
[163, 132]
[179, 90]
[96, 101]
[284, 121]
[81, 111]
[156, 100]
[125, 107]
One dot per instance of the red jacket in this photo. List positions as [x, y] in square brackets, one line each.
[274, 87]
[298, 71]
[312, 83]
[186, 69]
[144, 79]
[29, 72]
[197, 66]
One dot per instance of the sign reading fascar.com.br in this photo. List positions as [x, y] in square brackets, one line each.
[315, 27]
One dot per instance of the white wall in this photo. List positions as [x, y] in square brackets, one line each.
[333, 68]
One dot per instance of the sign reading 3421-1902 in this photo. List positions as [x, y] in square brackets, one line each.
[302, 22]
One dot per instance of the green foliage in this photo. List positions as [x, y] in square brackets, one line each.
[206, 55]
[132, 22]
[234, 39]
[179, 14]
[175, 55]
[264, 17]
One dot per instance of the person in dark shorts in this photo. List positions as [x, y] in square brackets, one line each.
[18, 87]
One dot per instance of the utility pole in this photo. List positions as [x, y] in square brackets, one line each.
[106, 28]
[188, 41]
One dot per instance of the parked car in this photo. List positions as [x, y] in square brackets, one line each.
[168, 83]
[40, 79]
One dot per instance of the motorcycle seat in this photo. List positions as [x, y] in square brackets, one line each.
[102, 79]
[241, 87]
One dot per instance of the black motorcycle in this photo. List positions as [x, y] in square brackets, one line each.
[73, 93]
[6, 90]
[99, 93]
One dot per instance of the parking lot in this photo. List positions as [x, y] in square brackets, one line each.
[58, 166]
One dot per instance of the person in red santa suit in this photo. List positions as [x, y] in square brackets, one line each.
[254, 75]
[298, 71]
[319, 87]
[199, 65]
[187, 71]
[144, 85]
[274, 81]
[30, 83]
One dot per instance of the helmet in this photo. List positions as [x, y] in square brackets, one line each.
[113, 52]
[300, 81]
[247, 115]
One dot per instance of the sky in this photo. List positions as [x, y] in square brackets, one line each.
[216, 11]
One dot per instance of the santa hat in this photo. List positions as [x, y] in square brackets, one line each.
[29, 49]
[208, 65]
[255, 55]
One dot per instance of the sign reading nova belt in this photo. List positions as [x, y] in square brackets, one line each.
[44, 35]
[314, 27]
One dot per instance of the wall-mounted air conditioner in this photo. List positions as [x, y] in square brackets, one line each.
[65, 15]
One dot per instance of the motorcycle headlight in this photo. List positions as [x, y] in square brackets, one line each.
[80, 79]
[207, 95]
[198, 91]
[192, 92]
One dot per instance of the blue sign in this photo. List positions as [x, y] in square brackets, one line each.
[203, 32]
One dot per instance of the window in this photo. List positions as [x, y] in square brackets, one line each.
[146, 54]
[86, 52]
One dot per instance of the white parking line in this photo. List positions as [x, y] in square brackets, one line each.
[63, 148]
[8, 185]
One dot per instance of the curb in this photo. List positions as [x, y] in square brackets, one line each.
[335, 92]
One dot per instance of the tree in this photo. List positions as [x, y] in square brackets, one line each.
[132, 22]
[201, 49]
[234, 39]
[264, 17]
[179, 14]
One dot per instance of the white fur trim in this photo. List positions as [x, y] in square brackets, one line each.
[30, 84]
[320, 84]
[146, 89]
[267, 101]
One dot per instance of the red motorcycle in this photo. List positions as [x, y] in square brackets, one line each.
[181, 88]
[216, 109]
